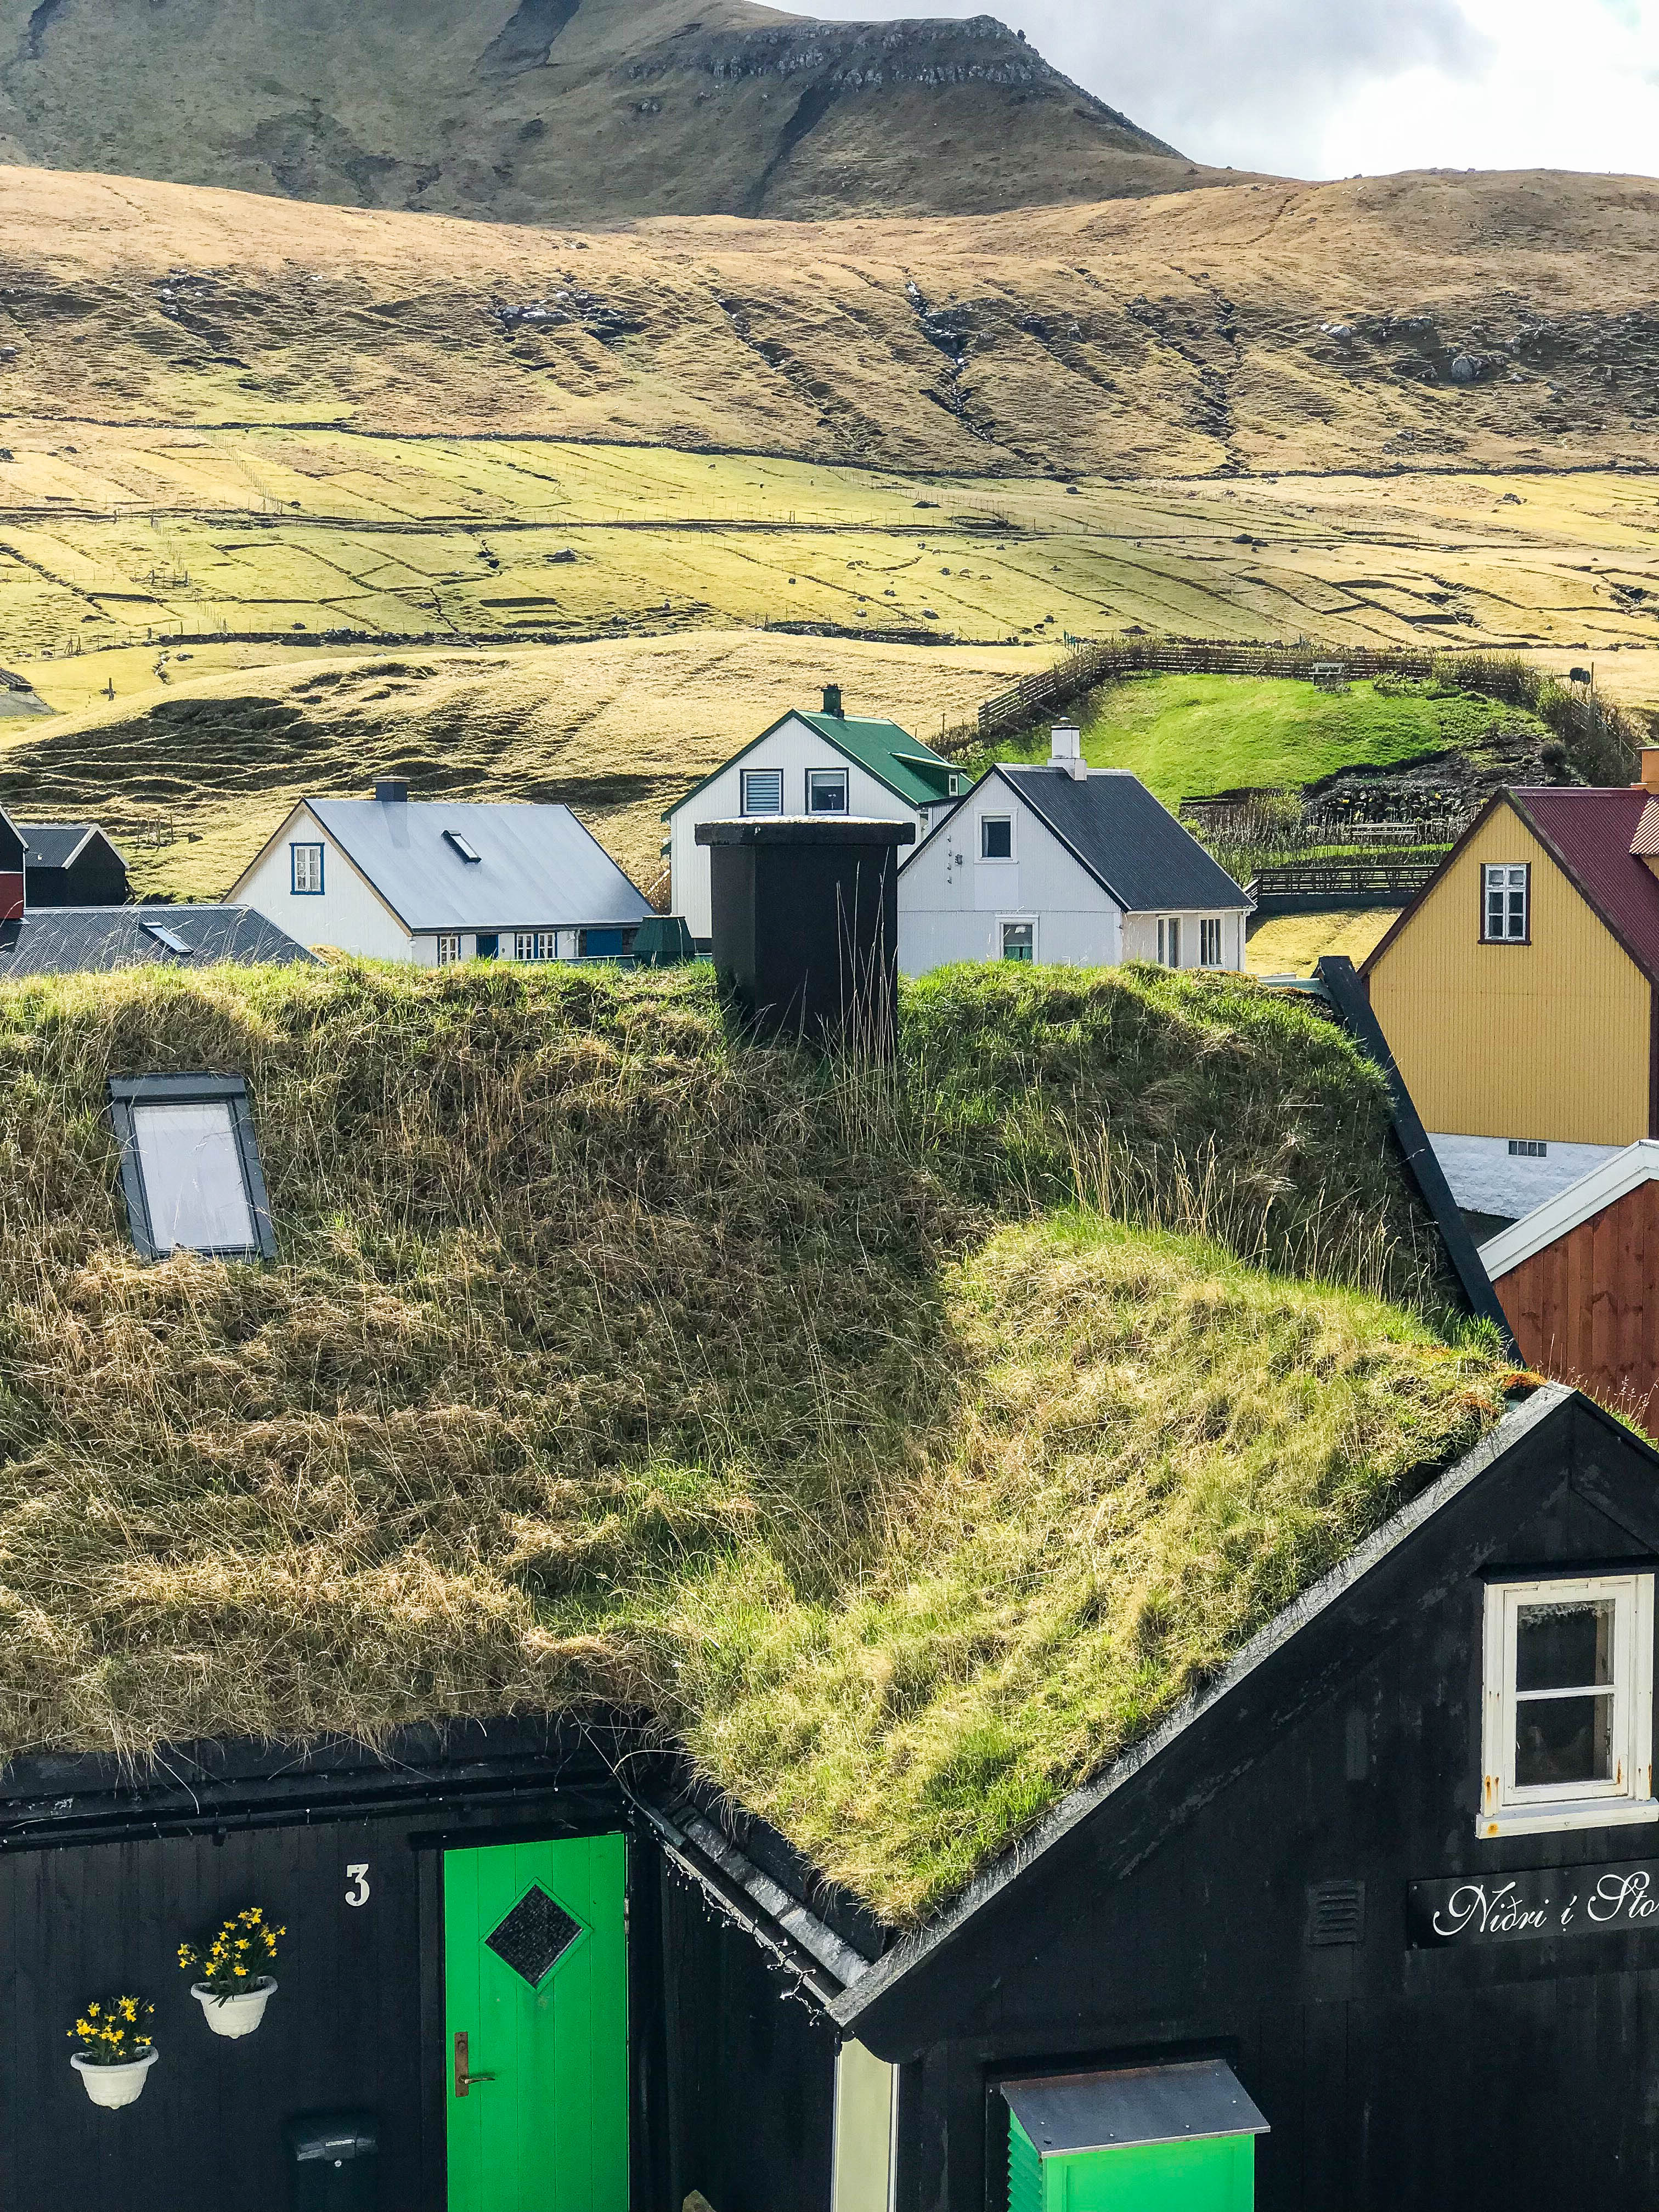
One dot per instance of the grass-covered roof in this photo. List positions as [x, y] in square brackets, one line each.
[902, 1441]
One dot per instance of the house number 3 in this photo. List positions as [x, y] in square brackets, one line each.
[358, 1892]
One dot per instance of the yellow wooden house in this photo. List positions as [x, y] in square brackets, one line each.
[1518, 992]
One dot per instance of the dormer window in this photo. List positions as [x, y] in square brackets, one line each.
[190, 1167]
[1567, 1738]
[457, 843]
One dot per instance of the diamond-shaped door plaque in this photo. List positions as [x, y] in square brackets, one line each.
[534, 1937]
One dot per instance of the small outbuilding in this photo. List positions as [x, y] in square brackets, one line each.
[1068, 864]
[72, 864]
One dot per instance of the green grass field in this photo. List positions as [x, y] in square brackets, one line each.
[1187, 736]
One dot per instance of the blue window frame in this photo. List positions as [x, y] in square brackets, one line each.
[306, 871]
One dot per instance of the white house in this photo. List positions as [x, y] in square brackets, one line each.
[824, 763]
[436, 880]
[1068, 864]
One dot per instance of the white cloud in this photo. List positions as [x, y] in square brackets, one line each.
[1328, 87]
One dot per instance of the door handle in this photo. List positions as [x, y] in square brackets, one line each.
[464, 2077]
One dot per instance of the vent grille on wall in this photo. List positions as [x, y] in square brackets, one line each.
[1336, 1912]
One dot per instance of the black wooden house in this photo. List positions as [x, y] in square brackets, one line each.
[1373, 1921]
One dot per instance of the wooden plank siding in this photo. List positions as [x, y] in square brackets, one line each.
[1585, 1309]
[1546, 1040]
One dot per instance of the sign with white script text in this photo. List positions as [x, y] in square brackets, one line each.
[1518, 1908]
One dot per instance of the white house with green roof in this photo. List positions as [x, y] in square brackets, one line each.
[824, 763]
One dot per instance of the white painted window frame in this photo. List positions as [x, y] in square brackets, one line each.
[1032, 921]
[534, 940]
[1007, 859]
[846, 781]
[748, 775]
[1504, 871]
[449, 947]
[312, 850]
[1508, 1810]
[1168, 940]
[1209, 925]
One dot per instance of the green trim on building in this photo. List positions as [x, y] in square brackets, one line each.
[913, 771]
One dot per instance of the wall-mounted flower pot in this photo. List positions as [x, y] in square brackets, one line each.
[234, 2015]
[112, 2087]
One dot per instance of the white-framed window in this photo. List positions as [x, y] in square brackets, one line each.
[826, 790]
[1209, 942]
[449, 948]
[763, 790]
[1567, 1732]
[306, 862]
[1505, 905]
[1168, 941]
[536, 944]
[996, 836]
[1018, 940]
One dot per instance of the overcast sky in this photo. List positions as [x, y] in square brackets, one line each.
[1337, 88]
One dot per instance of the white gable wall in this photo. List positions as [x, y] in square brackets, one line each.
[348, 913]
[794, 747]
[952, 904]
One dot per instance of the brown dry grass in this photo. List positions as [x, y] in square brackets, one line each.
[1181, 334]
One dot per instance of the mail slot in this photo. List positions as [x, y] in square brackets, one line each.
[335, 2160]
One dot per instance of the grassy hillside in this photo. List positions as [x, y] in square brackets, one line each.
[836, 1417]
[1188, 334]
[564, 111]
[1188, 736]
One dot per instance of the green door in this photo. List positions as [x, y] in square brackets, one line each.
[536, 2022]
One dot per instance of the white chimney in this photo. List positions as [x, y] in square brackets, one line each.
[1066, 751]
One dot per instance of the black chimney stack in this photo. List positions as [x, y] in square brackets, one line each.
[393, 789]
[832, 700]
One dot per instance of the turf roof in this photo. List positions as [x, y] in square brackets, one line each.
[823, 1415]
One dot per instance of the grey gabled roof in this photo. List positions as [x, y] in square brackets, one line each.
[1131, 845]
[53, 844]
[62, 940]
[538, 867]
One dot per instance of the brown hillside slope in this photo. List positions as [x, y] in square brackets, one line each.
[1262, 327]
[573, 111]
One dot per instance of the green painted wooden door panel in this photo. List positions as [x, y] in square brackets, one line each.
[1216, 2174]
[536, 1980]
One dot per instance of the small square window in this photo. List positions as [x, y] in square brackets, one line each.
[1019, 941]
[307, 864]
[1209, 943]
[449, 949]
[763, 790]
[1505, 910]
[1567, 1735]
[826, 790]
[190, 1167]
[996, 837]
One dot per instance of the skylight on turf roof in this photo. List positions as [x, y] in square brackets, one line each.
[190, 1167]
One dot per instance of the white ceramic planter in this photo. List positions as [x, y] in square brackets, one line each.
[237, 2015]
[112, 2087]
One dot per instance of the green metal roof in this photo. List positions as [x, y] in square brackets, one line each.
[913, 770]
